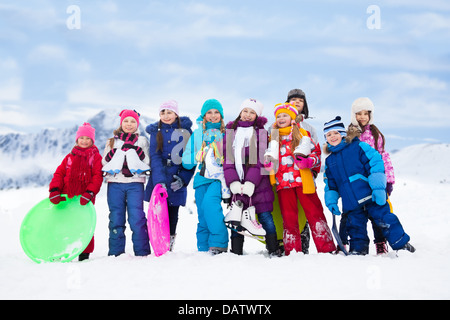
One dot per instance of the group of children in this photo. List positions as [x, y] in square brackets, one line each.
[246, 167]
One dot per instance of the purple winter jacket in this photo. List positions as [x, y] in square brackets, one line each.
[254, 171]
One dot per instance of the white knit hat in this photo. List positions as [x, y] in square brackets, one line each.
[252, 104]
[361, 104]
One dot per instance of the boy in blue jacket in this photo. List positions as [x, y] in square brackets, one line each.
[354, 171]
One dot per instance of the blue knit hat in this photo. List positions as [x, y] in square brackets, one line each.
[211, 104]
[334, 125]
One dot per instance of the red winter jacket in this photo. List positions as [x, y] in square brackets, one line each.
[88, 160]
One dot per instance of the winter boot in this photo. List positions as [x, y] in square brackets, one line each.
[83, 256]
[250, 223]
[172, 241]
[305, 236]
[234, 216]
[409, 247]
[134, 163]
[237, 245]
[381, 248]
[217, 250]
[116, 164]
[272, 245]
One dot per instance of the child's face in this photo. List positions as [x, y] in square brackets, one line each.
[333, 138]
[84, 142]
[283, 120]
[213, 115]
[298, 103]
[363, 117]
[248, 114]
[129, 125]
[167, 116]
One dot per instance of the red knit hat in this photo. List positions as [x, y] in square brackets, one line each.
[86, 130]
[129, 113]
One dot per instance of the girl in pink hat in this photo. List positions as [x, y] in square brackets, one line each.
[126, 163]
[80, 173]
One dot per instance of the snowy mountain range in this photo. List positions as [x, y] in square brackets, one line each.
[30, 159]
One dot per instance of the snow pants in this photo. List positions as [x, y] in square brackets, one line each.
[312, 206]
[123, 197]
[383, 218]
[211, 230]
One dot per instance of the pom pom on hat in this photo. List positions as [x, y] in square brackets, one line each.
[171, 105]
[86, 130]
[252, 104]
[129, 113]
[334, 125]
[288, 108]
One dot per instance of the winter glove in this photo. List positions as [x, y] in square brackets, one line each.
[389, 188]
[334, 209]
[248, 188]
[55, 196]
[86, 197]
[177, 183]
[304, 163]
[236, 187]
[379, 196]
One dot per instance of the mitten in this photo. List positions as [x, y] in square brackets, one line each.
[331, 200]
[86, 197]
[248, 188]
[177, 183]
[55, 196]
[334, 209]
[379, 196]
[304, 163]
[236, 187]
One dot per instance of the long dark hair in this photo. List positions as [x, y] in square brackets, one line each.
[376, 133]
[159, 137]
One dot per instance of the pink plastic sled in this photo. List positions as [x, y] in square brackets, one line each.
[158, 221]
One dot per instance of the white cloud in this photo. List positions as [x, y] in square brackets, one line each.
[48, 53]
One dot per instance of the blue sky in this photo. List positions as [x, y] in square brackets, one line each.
[140, 53]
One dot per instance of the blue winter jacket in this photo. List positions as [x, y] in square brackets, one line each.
[167, 163]
[353, 171]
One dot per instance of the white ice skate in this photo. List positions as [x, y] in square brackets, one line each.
[234, 216]
[250, 223]
[304, 148]
[116, 164]
[134, 163]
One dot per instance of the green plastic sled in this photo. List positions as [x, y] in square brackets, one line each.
[60, 232]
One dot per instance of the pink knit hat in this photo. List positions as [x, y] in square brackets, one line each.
[171, 105]
[86, 130]
[129, 113]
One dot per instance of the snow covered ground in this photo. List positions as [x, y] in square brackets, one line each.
[420, 199]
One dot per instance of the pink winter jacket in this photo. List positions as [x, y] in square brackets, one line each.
[367, 137]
